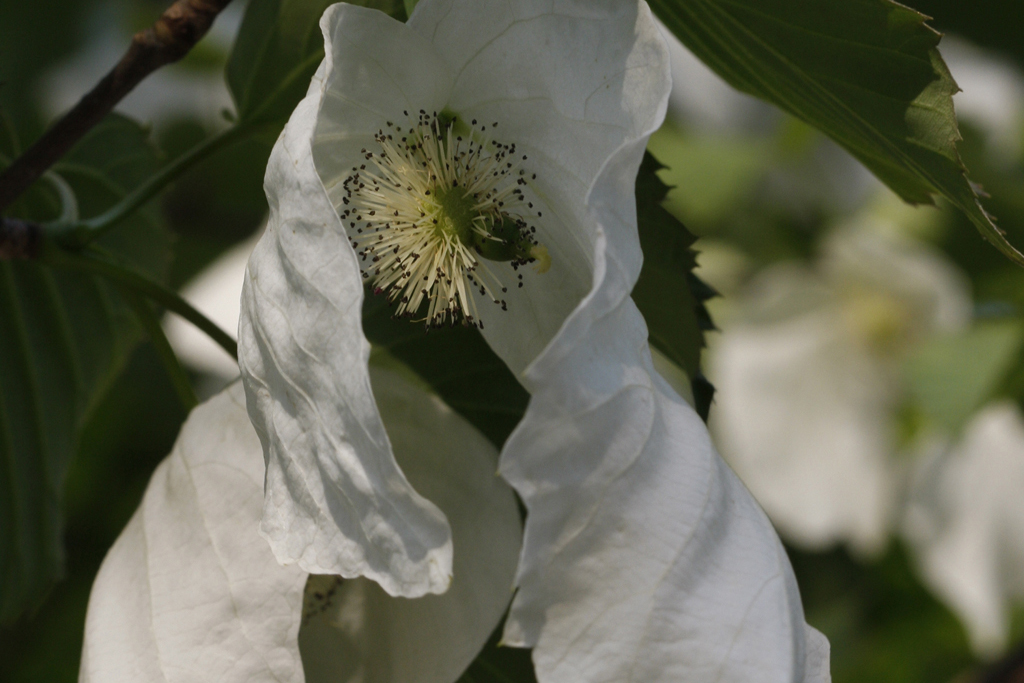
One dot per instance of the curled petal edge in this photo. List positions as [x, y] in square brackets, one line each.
[336, 501]
[644, 557]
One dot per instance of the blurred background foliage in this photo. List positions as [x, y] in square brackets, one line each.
[762, 192]
[757, 187]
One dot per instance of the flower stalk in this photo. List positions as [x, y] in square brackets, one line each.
[94, 264]
[81, 233]
[175, 373]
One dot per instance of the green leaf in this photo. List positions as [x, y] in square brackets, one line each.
[278, 49]
[866, 72]
[953, 375]
[500, 664]
[482, 389]
[883, 625]
[710, 174]
[662, 292]
[668, 294]
[63, 339]
[457, 364]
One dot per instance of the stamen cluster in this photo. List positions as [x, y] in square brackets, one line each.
[431, 208]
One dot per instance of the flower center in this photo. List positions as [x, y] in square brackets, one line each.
[455, 211]
[880, 321]
[434, 208]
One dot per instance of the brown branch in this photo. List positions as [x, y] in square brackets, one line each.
[19, 239]
[166, 41]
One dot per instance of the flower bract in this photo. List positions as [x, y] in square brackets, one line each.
[644, 558]
[191, 591]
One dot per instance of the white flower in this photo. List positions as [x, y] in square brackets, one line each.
[191, 592]
[992, 97]
[644, 558]
[965, 520]
[215, 292]
[808, 381]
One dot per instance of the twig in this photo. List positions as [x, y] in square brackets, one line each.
[166, 41]
[95, 264]
[175, 373]
[79, 233]
[19, 239]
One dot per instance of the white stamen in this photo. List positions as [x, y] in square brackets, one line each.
[422, 206]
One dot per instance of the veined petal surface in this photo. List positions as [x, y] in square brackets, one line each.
[644, 556]
[190, 591]
[568, 82]
[367, 636]
[336, 501]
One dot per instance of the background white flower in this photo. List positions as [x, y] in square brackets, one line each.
[809, 381]
[992, 97]
[965, 520]
[216, 293]
[827, 429]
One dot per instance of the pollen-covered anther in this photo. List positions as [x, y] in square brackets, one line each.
[437, 201]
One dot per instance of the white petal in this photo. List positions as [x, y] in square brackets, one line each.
[965, 520]
[597, 358]
[377, 68]
[809, 381]
[371, 637]
[933, 292]
[992, 95]
[336, 502]
[804, 416]
[568, 83]
[190, 591]
[215, 292]
[301, 346]
[644, 557]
